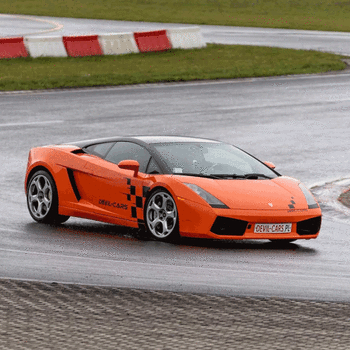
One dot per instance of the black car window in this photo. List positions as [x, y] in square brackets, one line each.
[128, 150]
[99, 149]
[153, 167]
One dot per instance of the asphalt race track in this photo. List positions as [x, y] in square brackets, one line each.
[300, 123]
[337, 42]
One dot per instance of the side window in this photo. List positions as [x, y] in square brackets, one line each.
[99, 149]
[128, 150]
[153, 167]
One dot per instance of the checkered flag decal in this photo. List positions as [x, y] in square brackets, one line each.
[137, 198]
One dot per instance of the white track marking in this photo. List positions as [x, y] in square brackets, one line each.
[10, 230]
[57, 26]
[32, 123]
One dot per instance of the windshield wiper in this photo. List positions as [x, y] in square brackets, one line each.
[233, 176]
[245, 176]
[256, 175]
[210, 176]
[225, 176]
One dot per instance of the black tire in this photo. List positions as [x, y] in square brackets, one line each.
[42, 199]
[161, 216]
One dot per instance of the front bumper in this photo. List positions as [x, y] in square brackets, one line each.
[201, 221]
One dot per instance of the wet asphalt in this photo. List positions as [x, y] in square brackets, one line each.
[251, 294]
[299, 123]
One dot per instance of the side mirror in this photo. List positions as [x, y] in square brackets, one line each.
[270, 165]
[130, 165]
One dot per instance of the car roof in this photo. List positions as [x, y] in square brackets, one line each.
[143, 139]
[172, 139]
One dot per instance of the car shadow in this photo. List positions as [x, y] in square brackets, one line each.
[82, 228]
[242, 245]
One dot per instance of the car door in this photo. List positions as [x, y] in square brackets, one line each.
[113, 191]
[136, 187]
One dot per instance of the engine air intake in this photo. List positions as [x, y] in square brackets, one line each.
[309, 227]
[229, 227]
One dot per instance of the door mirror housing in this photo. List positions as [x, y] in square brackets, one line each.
[129, 164]
[270, 165]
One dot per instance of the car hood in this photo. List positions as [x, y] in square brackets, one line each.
[281, 193]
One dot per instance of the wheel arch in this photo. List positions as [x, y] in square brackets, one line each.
[155, 188]
[52, 216]
[167, 188]
[34, 170]
[158, 187]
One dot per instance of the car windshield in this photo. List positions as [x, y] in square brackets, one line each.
[212, 159]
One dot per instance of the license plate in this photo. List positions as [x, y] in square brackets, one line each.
[273, 228]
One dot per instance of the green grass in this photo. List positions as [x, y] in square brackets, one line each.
[331, 15]
[213, 62]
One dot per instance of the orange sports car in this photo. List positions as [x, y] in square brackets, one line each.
[169, 186]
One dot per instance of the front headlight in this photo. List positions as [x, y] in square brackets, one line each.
[209, 198]
[312, 204]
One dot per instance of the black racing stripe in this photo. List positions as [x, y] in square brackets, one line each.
[132, 190]
[128, 197]
[138, 202]
[133, 212]
[128, 181]
[73, 184]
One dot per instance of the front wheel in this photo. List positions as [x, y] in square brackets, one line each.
[42, 199]
[161, 216]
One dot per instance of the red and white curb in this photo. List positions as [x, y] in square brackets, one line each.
[105, 44]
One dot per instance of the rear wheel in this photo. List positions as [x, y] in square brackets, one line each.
[42, 199]
[161, 217]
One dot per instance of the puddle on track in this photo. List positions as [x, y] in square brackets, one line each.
[328, 193]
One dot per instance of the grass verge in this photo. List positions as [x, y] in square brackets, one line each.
[212, 62]
[297, 14]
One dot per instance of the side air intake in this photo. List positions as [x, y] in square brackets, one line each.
[229, 227]
[73, 184]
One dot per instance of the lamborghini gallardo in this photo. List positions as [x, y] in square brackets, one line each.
[167, 187]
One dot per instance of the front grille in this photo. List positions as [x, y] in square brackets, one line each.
[229, 227]
[309, 227]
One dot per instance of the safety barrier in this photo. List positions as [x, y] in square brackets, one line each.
[118, 44]
[12, 48]
[45, 47]
[152, 41]
[105, 44]
[185, 38]
[78, 46]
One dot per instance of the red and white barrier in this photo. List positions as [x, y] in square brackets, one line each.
[12, 48]
[45, 47]
[185, 38]
[118, 44]
[78, 46]
[152, 41]
[106, 44]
